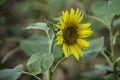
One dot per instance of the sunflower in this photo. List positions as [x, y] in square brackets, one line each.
[71, 33]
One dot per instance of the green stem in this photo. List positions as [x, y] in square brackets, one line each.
[96, 18]
[9, 54]
[107, 51]
[111, 43]
[31, 75]
[58, 64]
[48, 35]
[116, 65]
[115, 36]
[107, 58]
[51, 43]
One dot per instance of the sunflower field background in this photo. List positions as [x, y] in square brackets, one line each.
[26, 32]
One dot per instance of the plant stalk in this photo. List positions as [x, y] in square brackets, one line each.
[111, 43]
[96, 18]
[31, 75]
[107, 58]
[9, 54]
[51, 43]
[62, 59]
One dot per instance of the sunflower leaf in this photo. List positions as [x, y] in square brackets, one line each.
[110, 76]
[95, 47]
[39, 25]
[40, 62]
[57, 51]
[50, 24]
[92, 75]
[11, 74]
[97, 73]
[106, 10]
[62, 3]
[34, 44]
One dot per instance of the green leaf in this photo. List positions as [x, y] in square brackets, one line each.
[50, 24]
[58, 4]
[96, 74]
[110, 76]
[11, 74]
[116, 22]
[106, 10]
[103, 67]
[57, 51]
[96, 26]
[92, 75]
[35, 44]
[95, 47]
[40, 25]
[40, 62]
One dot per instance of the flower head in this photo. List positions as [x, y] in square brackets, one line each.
[71, 33]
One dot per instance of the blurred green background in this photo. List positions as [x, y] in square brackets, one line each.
[15, 15]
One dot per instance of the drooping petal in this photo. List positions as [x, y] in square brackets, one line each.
[74, 52]
[65, 50]
[79, 51]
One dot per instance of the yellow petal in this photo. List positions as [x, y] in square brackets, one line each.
[61, 21]
[65, 49]
[63, 13]
[84, 26]
[58, 26]
[79, 51]
[80, 18]
[76, 16]
[77, 11]
[60, 32]
[65, 17]
[72, 49]
[59, 40]
[72, 13]
[85, 33]
[83, 43]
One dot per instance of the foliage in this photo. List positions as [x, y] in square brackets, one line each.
[41, 26]
[106, 10]
[97, 73]
[40, 62]
[110, 77]
[42, 49]
[95, 48]
[62, 3]
[11, 74]
[34, 44]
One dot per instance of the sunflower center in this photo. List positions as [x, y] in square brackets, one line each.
[70, 35]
